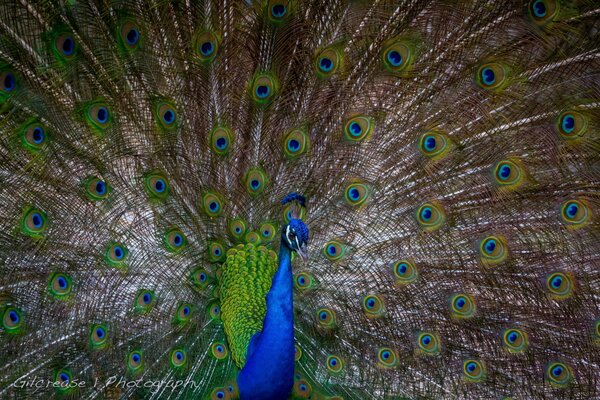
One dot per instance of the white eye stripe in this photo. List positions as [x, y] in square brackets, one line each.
[297, 244]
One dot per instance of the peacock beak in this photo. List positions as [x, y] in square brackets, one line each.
[303, 252]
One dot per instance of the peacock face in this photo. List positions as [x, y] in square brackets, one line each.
[295, 235]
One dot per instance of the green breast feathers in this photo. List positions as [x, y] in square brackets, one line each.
[243, 286]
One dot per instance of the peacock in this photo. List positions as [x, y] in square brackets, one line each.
[299, 199]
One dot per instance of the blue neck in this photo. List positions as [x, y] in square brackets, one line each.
[269, 370]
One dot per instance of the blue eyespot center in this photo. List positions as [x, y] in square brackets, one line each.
[178, 240]
[278, 10]
[169, 117]
[471, 366]
[556, 282]
[64, 377]
[460, 302]
[160, 186]
[490, 246]
[539, 9]
[68, 46]
[102, 115]
[266, 233]
[425, 340]
[303, 387]
[354, 194]
[136, 358]
[213, 206]
[38, 135]
[9, 82]
[323, 315]
[557, 371]
[488, 76]
[385, 355]
[220, 395]
[202, 277]
[568, 123]
[572, 210]
[146, 298]
[355, 129]
[255, 183]
[333, 362]
[402, 268]
[207, 48]
[512, 337]
[186, 310]
[426, 213]
[262, 91]
[293, 145]
[504, 172]
[221, 143]
[217, 252]
[100, 333]
[325, 64]
[100, 187]
[37, 220]
[13, 316]
[119, 253]
[370, 303]
[179, 355]
[394, 58]
[62, 282]
[220, 349]
[132, 36]
[430, 143]
[331, 250]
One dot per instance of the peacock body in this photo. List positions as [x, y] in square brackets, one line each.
[162, 162]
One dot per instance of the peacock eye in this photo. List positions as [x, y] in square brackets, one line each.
[291, 236]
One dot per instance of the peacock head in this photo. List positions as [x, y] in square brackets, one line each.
[295, 236]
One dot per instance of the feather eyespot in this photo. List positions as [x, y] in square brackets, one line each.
[219, 350]
[174, 240]
[492, 76]
[373, 306]
[326, 318]
[334, 250]
[33, 136]
[219, 393]
[515, 340]
[428, 343]
[98, 116]
[134, 361]
[98, 336]
[65, 46]
[559, 374]
[398, 56]
[493, 250]
[220, 139]
[33, 222]
[278, 10]
[130, 35]
[206, 46]
[571, 124]
[263, 89]
[335, 364]
[212, 204]
[560, 285]
[357, 194]
[237, 228]
[295, 143]
[144, 300]
[267, 232]
[358, 128]
[9, 81]
[473, 370]
[183, 313]
[543, 11]
[60, 285]
[165, 114]
[199, 278]
[405, 272]
[302, 389]
[303, 281]
[256, 180]
[116, 255]
[178, 358]
[387, 358]
[509, 173]
[575, 213]
[12, 319]
[216, 251]
[157, 185]
[328, 62]
[430, 216]
[96, 189]
[462, 306]
[434, 144]
[214, 310]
